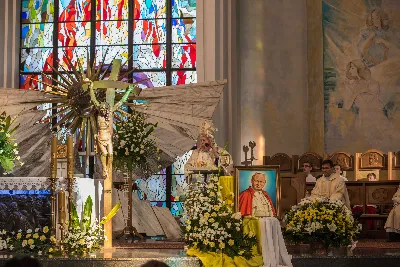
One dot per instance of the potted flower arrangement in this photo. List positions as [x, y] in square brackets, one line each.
[8, 148]
[135, 151]
[211, 226]
[321, 222]
[38, 241]
[83, 236]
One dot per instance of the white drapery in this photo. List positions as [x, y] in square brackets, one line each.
[274, 250]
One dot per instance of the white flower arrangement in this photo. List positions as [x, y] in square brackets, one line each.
[8, 147]
[135, 149]
[211, 226]
[321, 220]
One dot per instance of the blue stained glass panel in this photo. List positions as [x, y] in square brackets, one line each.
[37, 35]
[156, 79]
[153, 9]
[149, 31]
[176, 208]
[34, 59]
[184, 30]
[183, 8]
[36, 11]
[112, 33]
[74, 10]
[149, 56]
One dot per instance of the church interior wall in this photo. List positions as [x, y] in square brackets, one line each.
[273, 73]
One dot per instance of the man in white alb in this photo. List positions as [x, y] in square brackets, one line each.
[330, 185]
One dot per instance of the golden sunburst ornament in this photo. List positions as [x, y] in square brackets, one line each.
[75, 106]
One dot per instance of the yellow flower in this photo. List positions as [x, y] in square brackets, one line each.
[19, 235]
[206, 214]
[221, 245]
[216, 208]
[28, 236]
[212, 244]
[53, 239]
[231, 242]
[42, 238]
[211, 220]
[36, 236]
[45, 229]
[81, 241]
[188, 221]
[213, 214]
[30, 242]
[188, 227]
[50, 250]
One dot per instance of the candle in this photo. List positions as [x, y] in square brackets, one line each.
[70, 157]
[54, 156]
[61, 206]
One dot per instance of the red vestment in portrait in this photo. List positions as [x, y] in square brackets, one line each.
[246, 201]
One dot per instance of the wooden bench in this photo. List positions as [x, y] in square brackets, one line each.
[374, 233]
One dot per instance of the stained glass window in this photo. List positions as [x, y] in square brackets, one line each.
[157, 39]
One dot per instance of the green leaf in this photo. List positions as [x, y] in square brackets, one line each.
[13, 130]
[111, 214]
[75, 218]
[87, 213]
[8, 123]
[7, 164]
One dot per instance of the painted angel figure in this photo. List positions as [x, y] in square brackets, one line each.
[377, 42]
[364, 66]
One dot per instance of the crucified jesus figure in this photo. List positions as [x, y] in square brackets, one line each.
[103, 137]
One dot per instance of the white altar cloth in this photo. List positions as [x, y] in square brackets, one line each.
[274, 250]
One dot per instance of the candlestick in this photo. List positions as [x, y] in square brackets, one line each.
[61, 207]
[53, 156]
[53, 177]
[70, 157]
[70, 173]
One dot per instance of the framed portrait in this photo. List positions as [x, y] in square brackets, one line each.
[258, 190]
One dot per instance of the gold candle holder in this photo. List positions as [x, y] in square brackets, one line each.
[53, 178]
[61, 211]
[70, 172]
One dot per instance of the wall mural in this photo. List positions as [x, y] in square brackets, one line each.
[361, 74]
